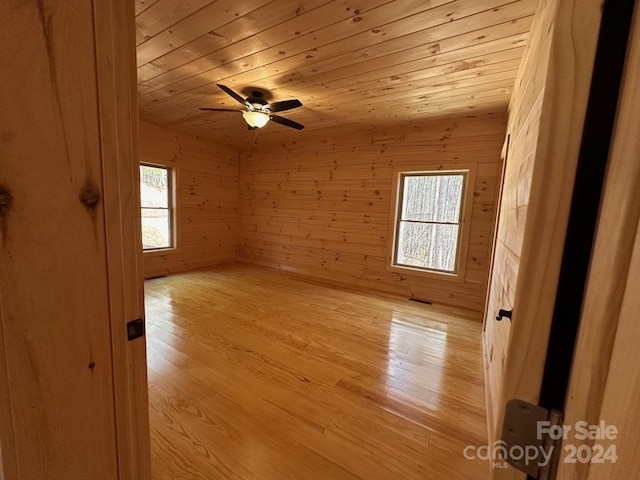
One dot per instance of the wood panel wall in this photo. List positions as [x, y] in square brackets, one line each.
[320, 206]
[522, 131]
[207, 200]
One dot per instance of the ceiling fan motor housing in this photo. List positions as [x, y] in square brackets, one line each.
[257, 100]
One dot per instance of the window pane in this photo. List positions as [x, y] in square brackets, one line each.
[156, 231]
[432, 198]
[154, 186]
[426, 245]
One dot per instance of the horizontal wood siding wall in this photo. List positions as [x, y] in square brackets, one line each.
[320, 206]
[523, 126]
[206, 197]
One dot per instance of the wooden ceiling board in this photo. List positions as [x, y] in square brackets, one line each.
[359, 74]
[142, 5]
[306, 45]
[295, 54]
[432, 41]
[352, 63]
[345, 87]
[163, 15]
[227, 43]
[200, 23]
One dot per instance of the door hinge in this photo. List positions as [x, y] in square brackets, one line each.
[531, 439]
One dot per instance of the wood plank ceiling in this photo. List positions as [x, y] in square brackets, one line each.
[352, 63]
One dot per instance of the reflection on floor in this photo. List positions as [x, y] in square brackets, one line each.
[258, 374]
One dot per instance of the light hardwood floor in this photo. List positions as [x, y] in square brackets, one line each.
[259, 374]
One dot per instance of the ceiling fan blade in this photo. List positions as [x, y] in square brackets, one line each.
[232, 94]
[286, 122]
[220, 109]
[284, 105]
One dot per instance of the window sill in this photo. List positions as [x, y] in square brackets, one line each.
[418, 272]
[159, 251]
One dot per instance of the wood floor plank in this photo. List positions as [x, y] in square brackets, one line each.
[261, 374]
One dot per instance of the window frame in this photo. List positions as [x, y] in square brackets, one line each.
[172, 208]
[466, 204]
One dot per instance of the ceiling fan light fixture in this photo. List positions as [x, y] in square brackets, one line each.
[255, 119]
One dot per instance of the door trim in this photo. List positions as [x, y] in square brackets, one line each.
[611, 259]
[585, 202]
[117, 102]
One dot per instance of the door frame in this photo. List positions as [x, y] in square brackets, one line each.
[611, 276]
[118, 111]
[586, 199]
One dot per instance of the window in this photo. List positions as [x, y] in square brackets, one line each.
[429, 221]
[156, 199]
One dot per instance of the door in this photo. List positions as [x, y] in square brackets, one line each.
[72, 387]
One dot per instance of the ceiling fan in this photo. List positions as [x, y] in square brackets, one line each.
[258, 111]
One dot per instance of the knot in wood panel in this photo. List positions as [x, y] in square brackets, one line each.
[6, 199]
[90, 196]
